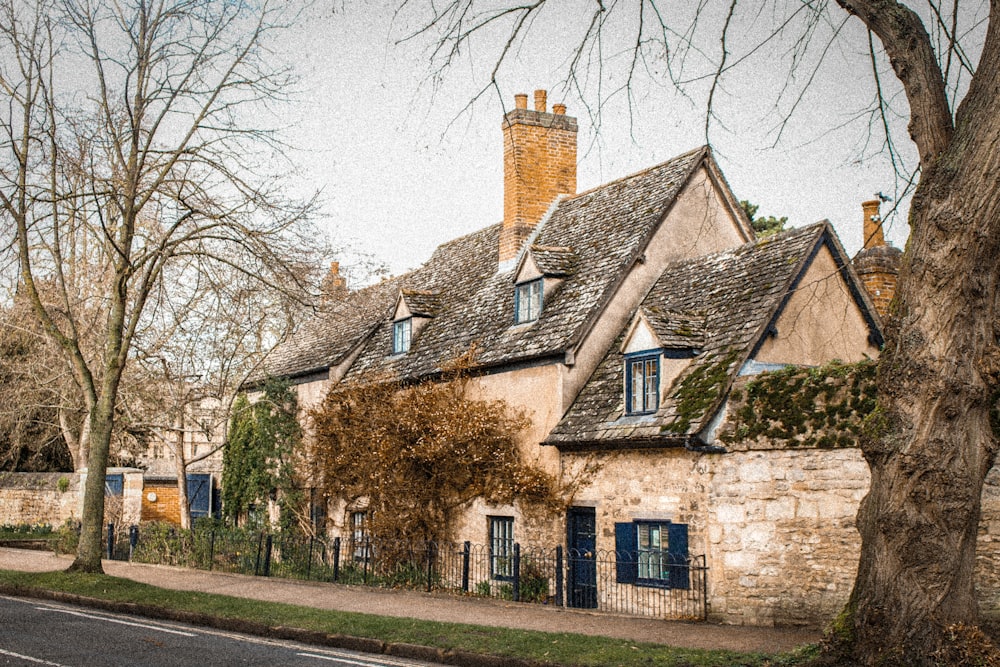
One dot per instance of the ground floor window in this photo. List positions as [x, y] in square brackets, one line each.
[502, 547]
[360, 546]
[652, 553]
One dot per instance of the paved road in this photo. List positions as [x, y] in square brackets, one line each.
[43, 633]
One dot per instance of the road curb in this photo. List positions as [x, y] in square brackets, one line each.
[457, 657]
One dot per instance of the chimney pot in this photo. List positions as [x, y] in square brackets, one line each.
[540, 98]
[559, 109]
[521, 101]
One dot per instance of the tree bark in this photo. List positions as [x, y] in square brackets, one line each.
[932, 440]
[90, 548]
[180, 465]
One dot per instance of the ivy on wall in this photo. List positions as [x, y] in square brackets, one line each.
[822, 407]
[416, 455]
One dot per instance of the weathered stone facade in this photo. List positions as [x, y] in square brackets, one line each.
[777, 527]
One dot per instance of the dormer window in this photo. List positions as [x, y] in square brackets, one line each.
[528, 301]
[402, 333]
[642, 383]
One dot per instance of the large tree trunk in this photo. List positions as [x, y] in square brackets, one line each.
[88, 553]
[932, 441]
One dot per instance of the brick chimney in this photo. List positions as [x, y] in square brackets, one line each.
[877, 264]
[333, 285]
[539, 164]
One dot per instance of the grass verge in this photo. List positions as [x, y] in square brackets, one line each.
[540, 647]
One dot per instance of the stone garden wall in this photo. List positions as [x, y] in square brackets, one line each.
[34, 498]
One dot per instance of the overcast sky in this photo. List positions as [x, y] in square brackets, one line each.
[404, 165]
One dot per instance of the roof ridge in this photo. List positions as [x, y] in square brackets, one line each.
[677, 158]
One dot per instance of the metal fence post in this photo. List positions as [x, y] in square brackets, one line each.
[211, 549]
[267, 556]
[309, 562]
[703, 573]
[430, 565]
[133, 539]
[256, 563]
[336, 558]
[517, 572]
[465, 565]
[559, 576]
[111, 540]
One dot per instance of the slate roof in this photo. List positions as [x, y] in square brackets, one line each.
[421, 302]
[554, 261]
[677, 330]
[726, 301]
[332, 334]
[592, 238]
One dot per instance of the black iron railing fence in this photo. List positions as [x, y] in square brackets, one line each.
[603, 580]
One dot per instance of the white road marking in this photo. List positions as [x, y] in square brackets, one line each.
[30, 659]
[120, 622]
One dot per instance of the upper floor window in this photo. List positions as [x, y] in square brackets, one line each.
[402, 333]
[528, 301]
[642, 383]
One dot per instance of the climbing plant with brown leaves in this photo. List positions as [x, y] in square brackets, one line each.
[420, 453]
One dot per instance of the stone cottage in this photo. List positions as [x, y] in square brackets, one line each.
[626, 321]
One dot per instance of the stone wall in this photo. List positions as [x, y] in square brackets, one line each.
[777, 527]
[782, 546]
[39, 498]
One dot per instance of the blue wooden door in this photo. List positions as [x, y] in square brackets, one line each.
[199, 489]
[581, 539]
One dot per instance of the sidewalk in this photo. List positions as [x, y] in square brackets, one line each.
[445, 608]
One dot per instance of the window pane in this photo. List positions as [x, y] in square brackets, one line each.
[501, 546]
[528, 297]
[652, 384]
[401, 331]
[653, 553]
[536, 299]
[635, 370]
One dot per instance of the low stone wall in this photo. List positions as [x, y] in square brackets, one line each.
[49, 497]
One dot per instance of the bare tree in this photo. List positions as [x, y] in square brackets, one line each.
[199, 351]
[933, 437]
[131, 140]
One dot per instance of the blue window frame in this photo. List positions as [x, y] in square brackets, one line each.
[642, 383]
[502, 547]
[402, 333]
[528, 301]
[652, 553]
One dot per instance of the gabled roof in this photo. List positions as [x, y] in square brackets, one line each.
[729, 300]
[329, 337]
[589, 240]
[676, 330]
[606, 229]
[553, 260]
[421, 303]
